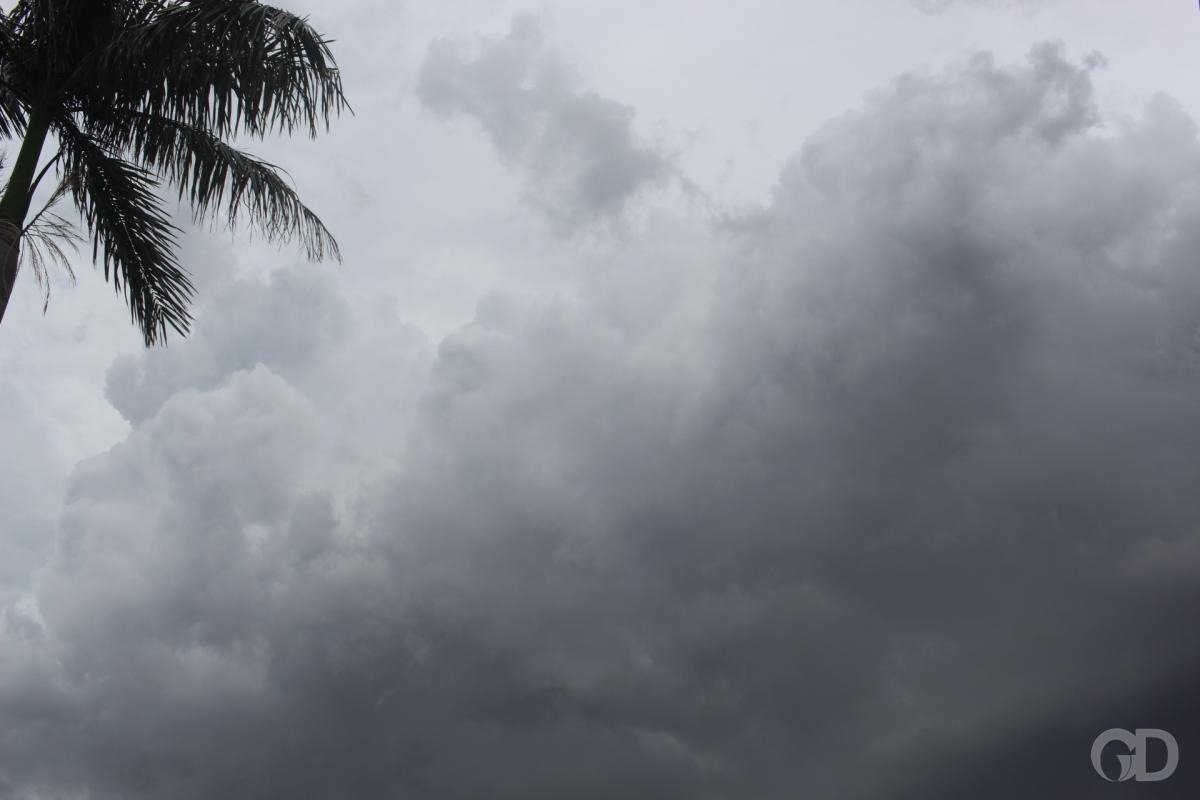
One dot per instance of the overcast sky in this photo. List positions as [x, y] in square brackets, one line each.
[720, 401]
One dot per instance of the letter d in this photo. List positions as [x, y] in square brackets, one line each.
[1145, 734]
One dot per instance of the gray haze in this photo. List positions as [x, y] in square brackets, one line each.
[881, 488]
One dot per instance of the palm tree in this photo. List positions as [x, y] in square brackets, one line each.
[135, 93]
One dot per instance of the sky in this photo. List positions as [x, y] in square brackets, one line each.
[765, 400]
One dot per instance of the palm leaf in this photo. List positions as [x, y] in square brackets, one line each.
[213, 175]
[12, 107]
[222, 65]
[43, 243]
[131, 235]
[12, 112]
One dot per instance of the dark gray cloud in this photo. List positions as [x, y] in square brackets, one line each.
[581, 158]
[889, 494]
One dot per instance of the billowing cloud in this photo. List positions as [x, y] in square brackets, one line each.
[889, 493]
[578, 151]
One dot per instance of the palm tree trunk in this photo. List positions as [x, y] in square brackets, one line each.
[10, 260]
[14, 205]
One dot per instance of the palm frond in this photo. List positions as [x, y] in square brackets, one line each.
[43, 239]
[222, 65]
[213, 175]
[12, 112]
[131, 235]
[53, 37]
[12, 107]
[43, 244]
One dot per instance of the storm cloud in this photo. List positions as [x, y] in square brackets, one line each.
[882, 489]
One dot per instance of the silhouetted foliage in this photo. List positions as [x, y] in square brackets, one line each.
[136, 93]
